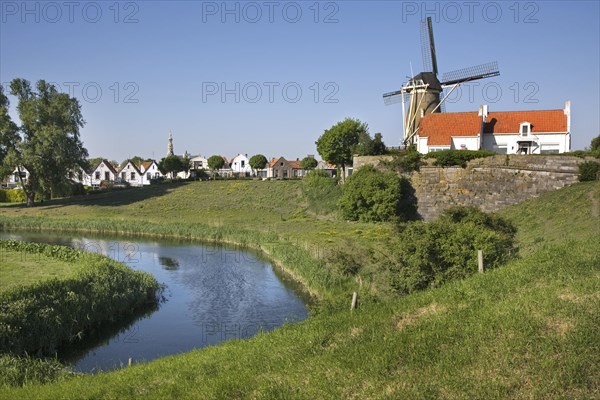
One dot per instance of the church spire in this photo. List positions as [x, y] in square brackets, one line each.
[170, 146]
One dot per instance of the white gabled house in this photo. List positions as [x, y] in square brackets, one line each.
[509, 132]
[104, 171]
[240, 164]
[131, 175]
[80, 175]
[150, 171]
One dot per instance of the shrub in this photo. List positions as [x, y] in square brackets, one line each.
[405, 161]
[589, 171]
[433, 253]
[343, 263]
[14, 196]
[448, 158]
[370, 195]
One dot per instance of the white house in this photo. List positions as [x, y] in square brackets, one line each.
[151, 171]
[131, 174]
[80, 175]
[241, 164]
[104, 171]
[14, 179]
[509, 132]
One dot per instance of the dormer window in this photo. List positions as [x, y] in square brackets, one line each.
[525, 129]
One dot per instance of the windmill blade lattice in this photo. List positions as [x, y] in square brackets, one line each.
[471, 73]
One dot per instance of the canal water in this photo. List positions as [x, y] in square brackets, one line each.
[212, 294]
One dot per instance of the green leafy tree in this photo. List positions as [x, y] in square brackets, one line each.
[336, 145]
[595, 145]
[171, 165]
[215, 163]
[308, 163]
[93, 163]
[8, 133]
[371, 196]
[378, 145]
[368, 146]
[49, 144]
[257, 161]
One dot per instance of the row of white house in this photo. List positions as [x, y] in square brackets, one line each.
[144, 174]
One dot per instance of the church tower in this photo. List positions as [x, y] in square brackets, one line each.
[170, 146]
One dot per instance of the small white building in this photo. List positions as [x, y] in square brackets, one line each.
[240, 164]
[104, 171]
[131, 174]
[509, 132]
[150, 171]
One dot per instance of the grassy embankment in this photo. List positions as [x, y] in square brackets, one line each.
[22, 268]
[528, 330]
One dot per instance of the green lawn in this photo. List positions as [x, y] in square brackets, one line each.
[22, 268]
[530, 329]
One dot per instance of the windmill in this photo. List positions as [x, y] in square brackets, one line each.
[422, 94]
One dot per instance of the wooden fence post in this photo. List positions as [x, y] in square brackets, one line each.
[480, 260]
[354, 301]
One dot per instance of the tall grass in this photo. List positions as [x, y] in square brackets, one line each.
[38, 318]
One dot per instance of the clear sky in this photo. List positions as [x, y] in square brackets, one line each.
[268, 76]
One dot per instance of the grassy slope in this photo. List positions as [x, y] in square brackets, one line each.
[20, 268]
[272, 216]
[530, 329]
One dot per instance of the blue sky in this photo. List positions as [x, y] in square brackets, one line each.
[269, 77]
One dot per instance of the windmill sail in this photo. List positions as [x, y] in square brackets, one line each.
[428, 47]
[487, 70]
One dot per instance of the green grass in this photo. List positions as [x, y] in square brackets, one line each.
[530, 329]
[23, 268]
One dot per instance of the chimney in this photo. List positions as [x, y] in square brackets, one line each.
[567, 112]
[483, 112]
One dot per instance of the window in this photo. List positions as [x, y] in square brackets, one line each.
[243, 163]
[107, 176]
[123, 176]
[149, 175]
[132, 176]
[550, 148]
[97, 175]
[525, 128]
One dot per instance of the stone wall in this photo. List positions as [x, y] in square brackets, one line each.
[490, 183]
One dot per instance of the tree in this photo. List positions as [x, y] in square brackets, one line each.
[49, 144]
[336, 145]
[371, 196]
[368, 146]
[378, 145]
[93, 163]
[308, 163]
[257, 161]
[171, 165]
[8, 132]
[215, 163]
[595, 145]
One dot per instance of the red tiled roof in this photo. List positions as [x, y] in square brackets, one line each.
[146, 165]
[541, 121]
[439, 128]
[274, 161]
[295, 164]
